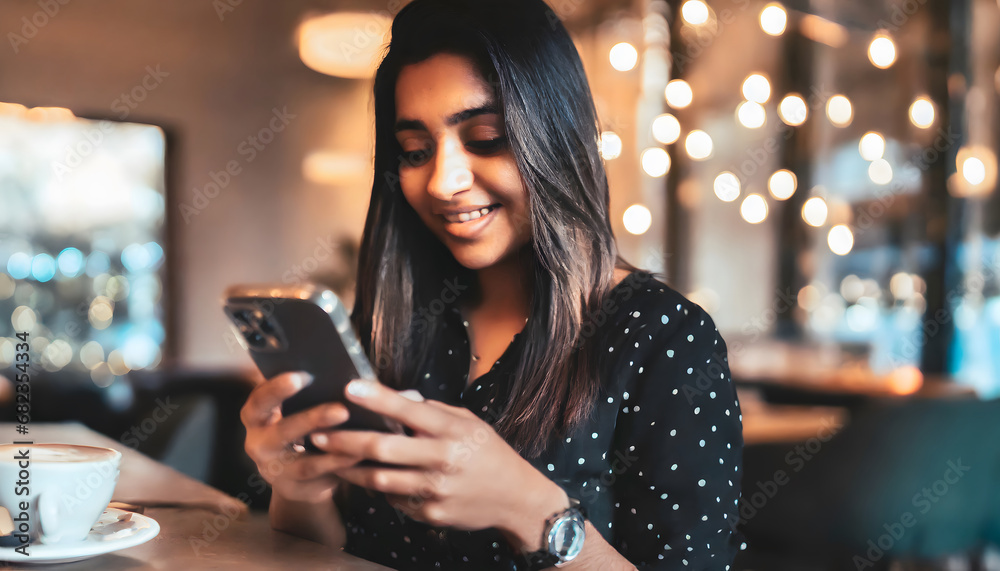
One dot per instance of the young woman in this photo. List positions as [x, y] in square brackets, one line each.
[577, 410]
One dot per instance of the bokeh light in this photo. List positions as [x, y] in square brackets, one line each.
[882, 51]
[922, 112]
[751, 115]
[678, 94]
[756, 88]
[43, 267]
[793, 110]
[754, 209]
[666, 129]
[623, 56]
[611, 145]
[839, 110]
[871, 146]
[773, 19]
[814, 211]
[698, 145]
[782, 184]
[655, 162]
[880, 171]
[637, 219]
[727, 186]
[840, 239]
[694, 12]
[19, 265]
[974, 170]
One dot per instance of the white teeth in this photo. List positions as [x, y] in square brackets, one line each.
[466, 216]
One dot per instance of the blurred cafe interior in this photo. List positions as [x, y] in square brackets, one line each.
[819, 175]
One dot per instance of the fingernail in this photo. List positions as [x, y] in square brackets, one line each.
[320, 439]
[301, 380]
[412, 394]
[335, 415]
[361, 388]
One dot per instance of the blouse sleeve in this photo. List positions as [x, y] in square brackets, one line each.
[680, 432]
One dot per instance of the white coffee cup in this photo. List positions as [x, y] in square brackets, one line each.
[56, 492]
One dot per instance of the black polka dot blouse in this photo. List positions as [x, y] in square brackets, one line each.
[657, 467]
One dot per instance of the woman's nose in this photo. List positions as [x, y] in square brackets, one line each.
[452, 172]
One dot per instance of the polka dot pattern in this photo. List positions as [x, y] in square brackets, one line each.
[653, 466]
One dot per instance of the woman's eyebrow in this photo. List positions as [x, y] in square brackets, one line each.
[451, 120]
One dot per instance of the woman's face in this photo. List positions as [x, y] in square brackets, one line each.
[458, 172]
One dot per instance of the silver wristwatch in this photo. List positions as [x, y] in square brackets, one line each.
[562, 539]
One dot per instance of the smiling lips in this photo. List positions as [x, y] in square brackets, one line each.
[468, 225]
[473, 215]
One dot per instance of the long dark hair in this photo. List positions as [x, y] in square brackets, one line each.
[405, 273]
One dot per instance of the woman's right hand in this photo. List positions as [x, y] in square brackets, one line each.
[293, 475]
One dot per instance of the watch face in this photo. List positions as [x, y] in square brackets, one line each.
[566, 537]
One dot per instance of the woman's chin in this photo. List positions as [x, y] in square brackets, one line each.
[474, 258]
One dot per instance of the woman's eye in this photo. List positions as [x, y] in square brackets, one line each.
[488, 145]
[418, 157]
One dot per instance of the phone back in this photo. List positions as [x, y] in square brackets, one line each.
[303, 328]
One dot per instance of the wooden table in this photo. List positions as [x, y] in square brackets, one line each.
[765, 423]
[200, 527]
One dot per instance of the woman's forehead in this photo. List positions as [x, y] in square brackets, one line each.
[441, 85]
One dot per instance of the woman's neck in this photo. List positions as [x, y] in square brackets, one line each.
[505, 288]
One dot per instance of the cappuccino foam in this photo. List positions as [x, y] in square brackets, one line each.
[57, 453]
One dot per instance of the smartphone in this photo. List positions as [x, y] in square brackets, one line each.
[304, 328]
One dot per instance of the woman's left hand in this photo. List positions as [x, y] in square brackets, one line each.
[454, 471]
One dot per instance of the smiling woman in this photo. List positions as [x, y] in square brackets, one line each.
[577, 411]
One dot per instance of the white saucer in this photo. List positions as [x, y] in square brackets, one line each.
[117, 529]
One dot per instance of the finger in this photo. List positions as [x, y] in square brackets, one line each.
[459, 410]
[419, 416]
[400, 481]
[310, 467]
[266, 397]
[396, 449]
[409, 505]
[300, 424]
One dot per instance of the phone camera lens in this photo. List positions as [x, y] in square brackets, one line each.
[256, 340]
[266, 327]
[242, 316]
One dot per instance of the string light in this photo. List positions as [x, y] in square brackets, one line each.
[751, 115]
[678, 94]
[793, 110]
[782, 184]
[974, 170]
[666, 129]
[922, 112]
[882, 51]
[637, 219]
[655, 162]
[839, 110]
[840, 239]
[698, 145]
[814, 211]
[623, 56]
[880, 171]
[871, 146]
[754, 209]
[611, 145]
[756, 88]
[694, 12]
[727, 186]
[773, 19]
